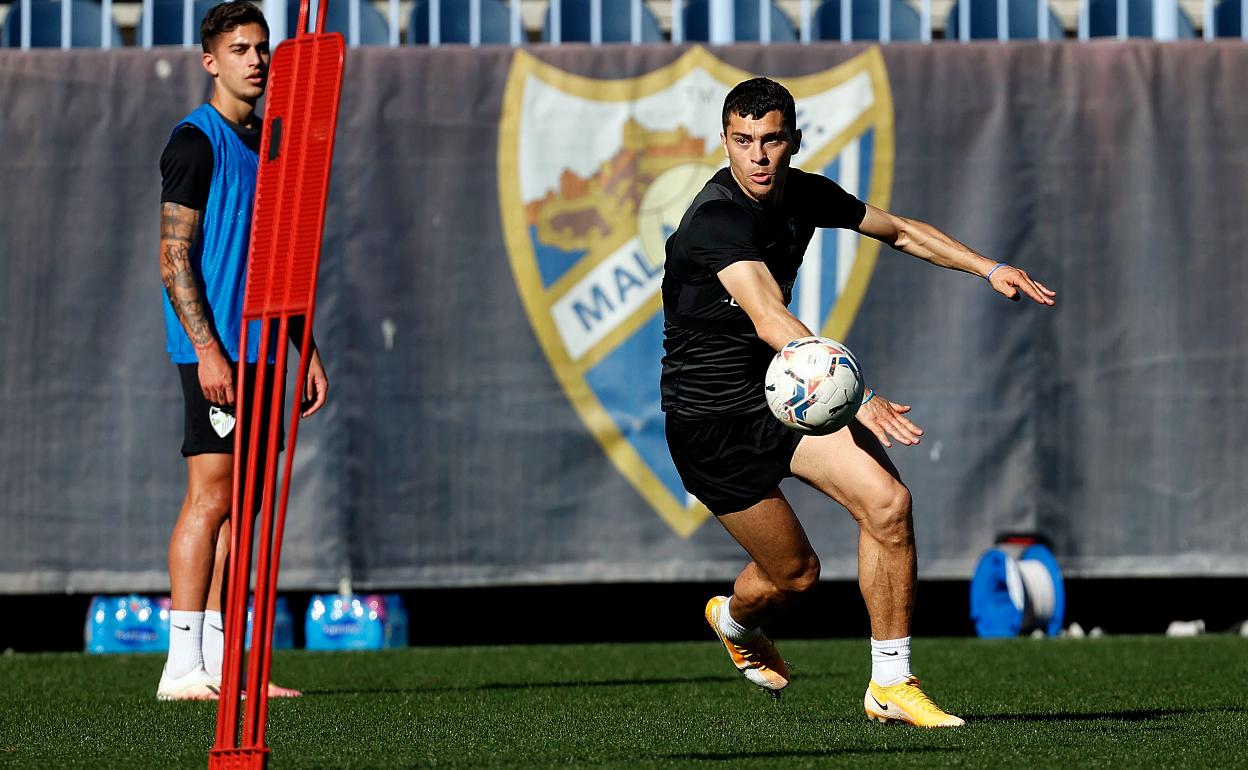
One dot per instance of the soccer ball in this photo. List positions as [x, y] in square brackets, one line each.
[814, 385]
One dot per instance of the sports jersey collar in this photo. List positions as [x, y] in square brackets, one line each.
[242, 131]
[724, 178]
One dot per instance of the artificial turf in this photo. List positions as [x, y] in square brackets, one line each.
[1108, 702]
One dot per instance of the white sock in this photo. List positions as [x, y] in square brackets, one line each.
[734, 630]
[890, 661]
[214, 642]
[186, 631]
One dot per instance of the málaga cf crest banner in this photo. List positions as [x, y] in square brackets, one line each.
[489, 313]
[594, 175]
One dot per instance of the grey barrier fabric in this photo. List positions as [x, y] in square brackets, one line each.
[457, 450]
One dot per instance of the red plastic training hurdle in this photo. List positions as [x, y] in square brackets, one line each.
[296, 148]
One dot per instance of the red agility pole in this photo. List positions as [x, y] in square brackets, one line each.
[296, 148]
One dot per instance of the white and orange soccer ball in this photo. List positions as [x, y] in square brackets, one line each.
[814, 385]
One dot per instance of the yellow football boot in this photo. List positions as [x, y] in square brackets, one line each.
[905, 702]
[757, 659]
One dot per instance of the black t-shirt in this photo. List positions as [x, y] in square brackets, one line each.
[187, 162]
[715, 362]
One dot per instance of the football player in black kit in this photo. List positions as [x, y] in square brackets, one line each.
[729, 270]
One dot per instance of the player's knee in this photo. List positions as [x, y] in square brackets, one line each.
[801, 578]
[889, 520]
[209, 505]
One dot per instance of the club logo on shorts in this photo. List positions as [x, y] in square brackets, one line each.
[222, 421]
[594, 175]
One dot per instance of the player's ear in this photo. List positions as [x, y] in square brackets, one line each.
[723, 139]
[797, 140]
[210, 63]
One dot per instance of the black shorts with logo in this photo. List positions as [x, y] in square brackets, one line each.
[731, 463]
[208, 425]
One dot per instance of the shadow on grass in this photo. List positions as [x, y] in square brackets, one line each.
[436, 687]
[1125, 715]
[729, 756]
[433, 688]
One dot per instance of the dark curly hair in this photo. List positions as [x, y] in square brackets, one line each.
[756, 97]
[228, 16]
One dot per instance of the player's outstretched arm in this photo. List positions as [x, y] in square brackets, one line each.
[179, 226]
[753, 288]
[919, 239]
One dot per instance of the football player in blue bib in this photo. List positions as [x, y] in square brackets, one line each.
[208, 171]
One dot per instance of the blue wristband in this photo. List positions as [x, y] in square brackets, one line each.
[998, 266]
[870, 395]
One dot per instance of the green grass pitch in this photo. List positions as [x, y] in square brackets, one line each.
[1109, 702]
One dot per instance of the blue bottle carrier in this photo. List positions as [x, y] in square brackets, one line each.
[130, 623]
[134, 623]
[354, 622]
[1018, 588]
[283, 625]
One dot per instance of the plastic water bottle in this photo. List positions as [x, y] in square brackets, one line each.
[130, 623]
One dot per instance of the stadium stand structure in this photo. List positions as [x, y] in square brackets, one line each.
[374, 30]
[1228, 19]
[865, 20]
[746, 22]
[523, 22]
[85, 20]
[169, 25]
[1103, 19]
[575, 22]
[1024, 22]
[455, 23]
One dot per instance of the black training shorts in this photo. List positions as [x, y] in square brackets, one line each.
[202, 437]
[730, 464]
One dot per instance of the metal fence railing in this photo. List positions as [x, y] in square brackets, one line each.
[481, 22]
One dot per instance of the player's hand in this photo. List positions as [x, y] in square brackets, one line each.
[216, 376]
[1013, 283]
[316, 387]
[886, 418]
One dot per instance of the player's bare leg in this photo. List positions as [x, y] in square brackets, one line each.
[220, 562]
[214, 621]
[852, 468]
[783, 567]
[193, 547]
[213, 644]
[192, 556]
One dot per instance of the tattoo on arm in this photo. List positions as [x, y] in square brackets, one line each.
[179, 227]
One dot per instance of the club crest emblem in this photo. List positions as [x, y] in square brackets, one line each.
[594, 175]
[222, 421]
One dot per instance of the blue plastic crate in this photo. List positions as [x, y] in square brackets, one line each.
[353, 622]
[134, 623]
[283, 625]
[130, 623]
